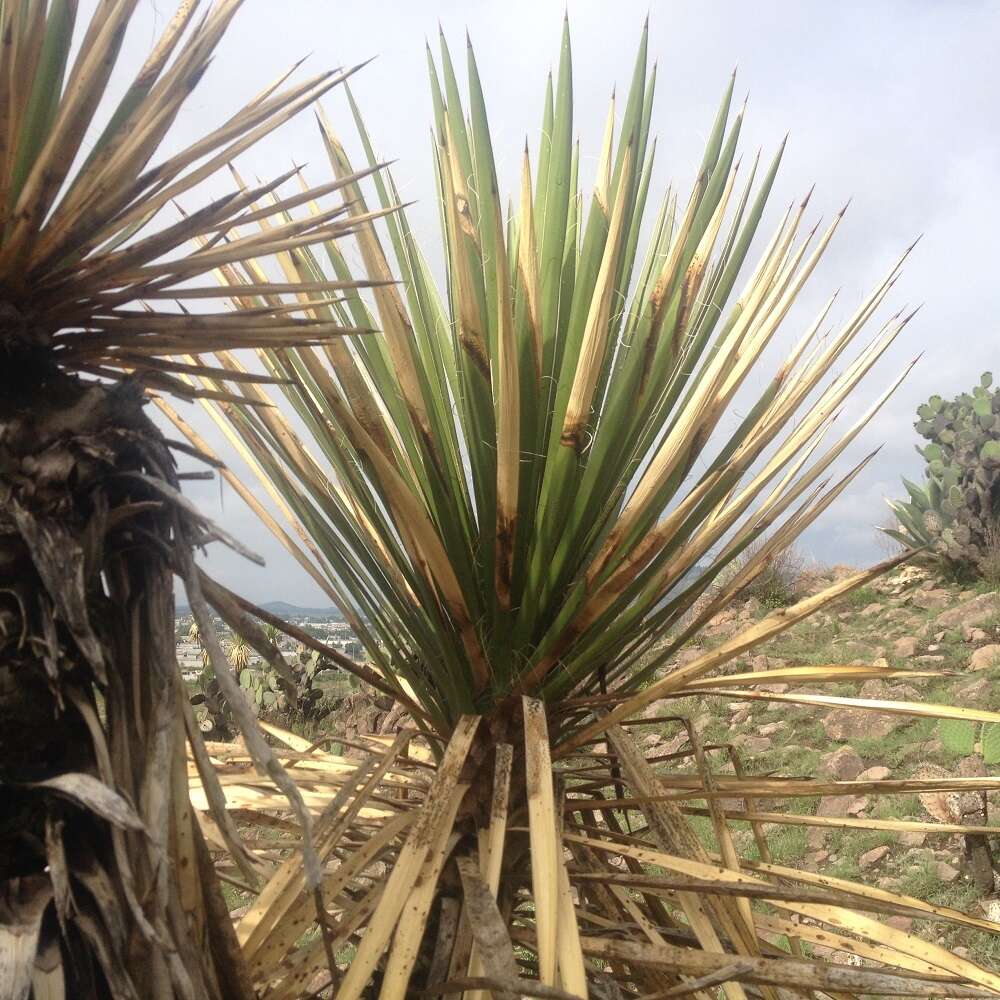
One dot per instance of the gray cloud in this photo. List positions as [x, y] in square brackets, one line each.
[890, 103]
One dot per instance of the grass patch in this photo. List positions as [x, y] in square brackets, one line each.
[900, 747]
[896, 807]
[859, 598]
[797, 759]
[786, 843]
[921, 880]
[705, 831]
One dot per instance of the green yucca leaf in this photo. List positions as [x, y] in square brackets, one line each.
[531, 476]
[45, 89]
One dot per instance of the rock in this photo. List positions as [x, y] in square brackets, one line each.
[816, 838]
[945, 872]
[970, 613]
[850, 724]
[854, 650]
[688, 655]
[930, 600]
[771, 728]
[773, 688]
[974, 634]
[846, 958]
[652, 740]
[871, 858]
[912, 838]
[870, 609]
[876, 689]
[675, 743]
[879, 690]
[858, 806]
[898, 582]
[985, 657]
[976, 693]
[945, 807]
[905, 647]
[877, 773]
[751, 744]
[843, 764]
[724, 623]
[740, 715]
[972, 767]
[833, 805]
[760, 662]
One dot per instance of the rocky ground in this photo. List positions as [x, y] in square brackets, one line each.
[908, 621]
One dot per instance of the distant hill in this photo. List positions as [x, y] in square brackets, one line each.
[285, 610]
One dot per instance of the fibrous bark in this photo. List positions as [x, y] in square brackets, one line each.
[95, 815]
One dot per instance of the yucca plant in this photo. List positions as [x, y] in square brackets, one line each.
[240, 653]
[106, 887]
[523, 492]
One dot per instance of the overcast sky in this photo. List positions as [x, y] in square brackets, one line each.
[893, 104]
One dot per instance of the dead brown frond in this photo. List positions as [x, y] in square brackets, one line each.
[107, 884]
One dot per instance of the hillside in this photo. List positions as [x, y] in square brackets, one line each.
[911, 623]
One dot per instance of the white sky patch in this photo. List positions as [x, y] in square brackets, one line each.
[892, 104]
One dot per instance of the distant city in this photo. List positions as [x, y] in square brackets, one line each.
[326, 624]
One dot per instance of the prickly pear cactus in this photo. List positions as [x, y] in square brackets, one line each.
[259, 685]
[955, 512]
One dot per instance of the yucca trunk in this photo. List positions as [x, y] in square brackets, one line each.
[92, 754]
[106, 886]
